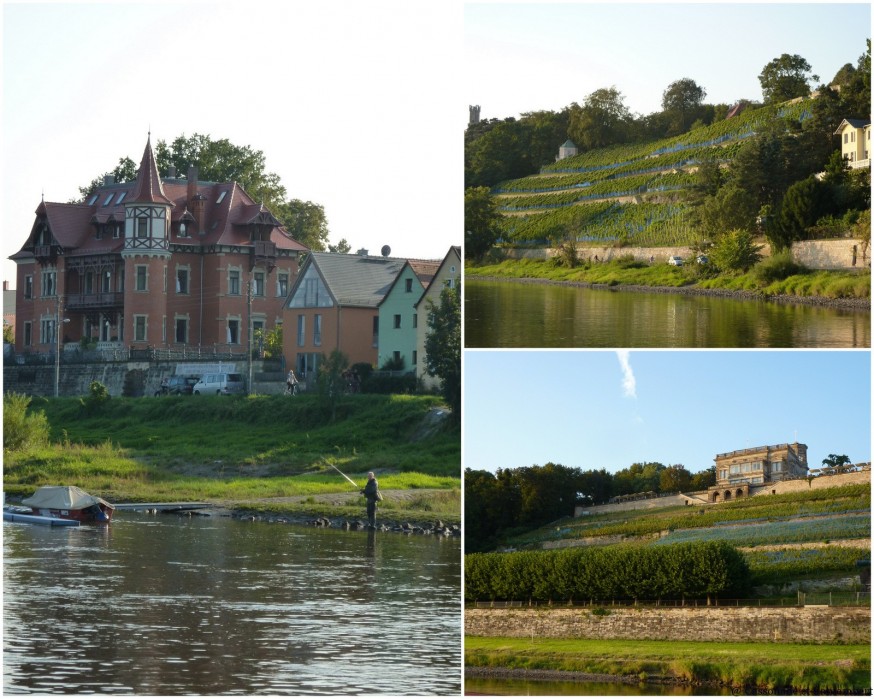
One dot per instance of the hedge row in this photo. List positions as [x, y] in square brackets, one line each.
[695, 569]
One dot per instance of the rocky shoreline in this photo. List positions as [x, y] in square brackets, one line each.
[855, 304]
[436, 528]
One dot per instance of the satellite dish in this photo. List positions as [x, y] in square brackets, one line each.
[386, 251]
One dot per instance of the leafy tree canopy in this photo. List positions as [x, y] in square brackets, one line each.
[785, 78]
[480, 222]
[443, 346]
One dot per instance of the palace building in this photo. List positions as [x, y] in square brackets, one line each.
[737, 470]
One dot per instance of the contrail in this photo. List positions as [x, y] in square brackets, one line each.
[629, 385]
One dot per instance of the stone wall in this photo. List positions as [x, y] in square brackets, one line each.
[740, 624]
[816, 254]
[75, 379]
[832, 254]
[701, 497]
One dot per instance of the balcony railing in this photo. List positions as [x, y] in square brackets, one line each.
[106, 299]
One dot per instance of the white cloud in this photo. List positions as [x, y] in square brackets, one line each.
[629, 385]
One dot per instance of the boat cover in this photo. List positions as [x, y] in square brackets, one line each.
[62, 497]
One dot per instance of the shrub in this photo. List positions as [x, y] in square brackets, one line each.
[735, 251]
[778, 267]
[22, 430]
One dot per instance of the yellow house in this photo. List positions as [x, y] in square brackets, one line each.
[448, 275]
[856, 142]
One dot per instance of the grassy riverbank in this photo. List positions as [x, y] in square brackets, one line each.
[820, 284]
[765, 665]
[266, 453]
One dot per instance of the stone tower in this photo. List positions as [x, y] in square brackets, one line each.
[474, 114]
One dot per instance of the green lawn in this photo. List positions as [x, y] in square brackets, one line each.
[773, 665]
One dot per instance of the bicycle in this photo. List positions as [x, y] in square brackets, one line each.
[291, 389]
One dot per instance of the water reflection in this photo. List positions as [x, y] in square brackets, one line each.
[214, 606]
[509, 314]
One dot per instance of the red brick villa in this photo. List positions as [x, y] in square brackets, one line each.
[154, 263]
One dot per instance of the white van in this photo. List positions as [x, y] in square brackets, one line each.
[221, 384]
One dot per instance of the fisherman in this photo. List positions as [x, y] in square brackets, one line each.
[371, 492]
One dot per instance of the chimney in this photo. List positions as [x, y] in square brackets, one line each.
[171, 172]
[108, 179]
[192, 183]
[5, 286]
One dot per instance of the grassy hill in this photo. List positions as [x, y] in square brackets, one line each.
[241, 449]
[634, 193]
[812, 537]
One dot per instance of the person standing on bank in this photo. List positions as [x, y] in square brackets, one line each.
[371, 492]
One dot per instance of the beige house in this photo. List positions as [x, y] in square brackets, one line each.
[855, 137]
[448, 275]
[737, 470]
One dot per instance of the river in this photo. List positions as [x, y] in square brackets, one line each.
[164, 605]
[513, 314]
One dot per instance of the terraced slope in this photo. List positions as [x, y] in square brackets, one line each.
[636, 193]
[817, 535]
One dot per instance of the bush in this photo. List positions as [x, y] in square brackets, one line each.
[22, 430]
[614, 572]
[735, 251]
[778, 267]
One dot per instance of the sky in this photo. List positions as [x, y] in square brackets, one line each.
[523, 57]
[596, 409]
[354, 105]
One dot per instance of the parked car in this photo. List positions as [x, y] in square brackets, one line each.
[702, 259]
[675, 260]
[177, 386]
[221, 384]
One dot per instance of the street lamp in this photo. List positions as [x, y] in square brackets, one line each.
[58, 322]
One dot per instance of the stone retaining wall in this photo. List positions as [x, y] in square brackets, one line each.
[741, 624]
[815, 254]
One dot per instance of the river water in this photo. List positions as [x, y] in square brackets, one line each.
[165, 605]
[512, 314]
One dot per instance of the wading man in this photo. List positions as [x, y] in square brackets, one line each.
[371, 492]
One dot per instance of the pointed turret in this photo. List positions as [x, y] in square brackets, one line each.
[148, 188]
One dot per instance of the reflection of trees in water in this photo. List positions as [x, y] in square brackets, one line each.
[508, 314]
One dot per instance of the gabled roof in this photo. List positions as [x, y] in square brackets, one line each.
[423, 269]
[453, 252]
[568, 144]
[855, 123]
[228, 211]
[354, 280]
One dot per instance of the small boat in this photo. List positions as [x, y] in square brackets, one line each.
[69, 502]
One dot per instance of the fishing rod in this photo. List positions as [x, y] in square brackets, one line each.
[340, 472]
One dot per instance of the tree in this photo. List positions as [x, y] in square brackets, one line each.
[8, 333]
[330, 380]
[480, 222]
[836, 461]
[601, 121]
[674, 478]
[681, 100]
[785, 78]
[735, 251]
[342, 247]
[443, 346]
[125, 171]
[305, 221]
[801, 208]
